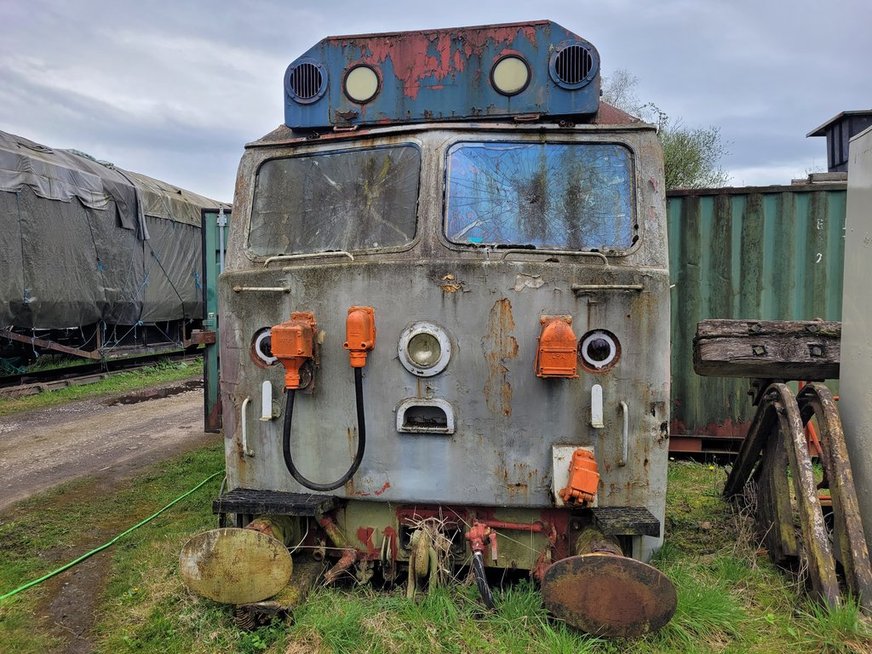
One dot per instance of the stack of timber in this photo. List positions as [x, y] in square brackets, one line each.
[768, 349]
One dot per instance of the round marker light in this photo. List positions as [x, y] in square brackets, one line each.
[599, 350]
[510, 75]
[424, 349]
[261, 348]
[361, 84]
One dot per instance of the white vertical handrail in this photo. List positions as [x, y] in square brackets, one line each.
[243, 421]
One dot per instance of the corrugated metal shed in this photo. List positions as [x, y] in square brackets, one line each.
[755, 252]
[839, 130]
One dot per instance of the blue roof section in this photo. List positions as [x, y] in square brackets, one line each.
[442, 74]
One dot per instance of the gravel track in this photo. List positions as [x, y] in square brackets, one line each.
[105, 437]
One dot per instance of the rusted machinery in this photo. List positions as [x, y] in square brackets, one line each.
[794, 462]
[445, 328]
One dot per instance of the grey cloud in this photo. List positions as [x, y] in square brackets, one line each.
[174, 89]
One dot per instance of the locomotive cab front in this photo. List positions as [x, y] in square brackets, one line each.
[449, 323]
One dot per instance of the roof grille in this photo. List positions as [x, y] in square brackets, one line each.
[306, 82]
[573, 64]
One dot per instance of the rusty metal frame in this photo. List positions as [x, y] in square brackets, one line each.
[101, 352]
[776, 444]
[50, 345]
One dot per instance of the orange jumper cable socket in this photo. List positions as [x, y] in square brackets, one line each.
[293, 343]
[359, 334]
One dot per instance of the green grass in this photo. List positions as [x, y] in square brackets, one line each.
[121, 382]
[731, 599]
[47, 531]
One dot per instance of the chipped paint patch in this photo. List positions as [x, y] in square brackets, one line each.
[450, 284]
[523, 281]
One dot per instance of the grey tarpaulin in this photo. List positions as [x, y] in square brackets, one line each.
[83, 241]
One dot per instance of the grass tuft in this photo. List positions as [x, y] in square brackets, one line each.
[839, 629]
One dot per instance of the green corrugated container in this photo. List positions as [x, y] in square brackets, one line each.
[773, 253]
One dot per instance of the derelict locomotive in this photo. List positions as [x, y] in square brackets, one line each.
[445, 318]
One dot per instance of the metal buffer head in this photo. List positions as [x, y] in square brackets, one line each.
[235, 566]
[604, 593]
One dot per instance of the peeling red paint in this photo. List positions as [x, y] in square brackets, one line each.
[432, 55]
[384, 487]
[364, 535]
[361, 493]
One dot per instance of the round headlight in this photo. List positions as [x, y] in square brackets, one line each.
[599, 350]
[510, 75]
[424, 349]
[361, 84]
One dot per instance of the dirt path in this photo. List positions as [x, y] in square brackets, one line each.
[109, 438]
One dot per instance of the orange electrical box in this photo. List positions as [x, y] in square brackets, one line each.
[583, 478]
[359, 334]
[556, 355]
[293, 343]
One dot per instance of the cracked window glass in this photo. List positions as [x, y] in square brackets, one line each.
[574, 196]
[352, 200]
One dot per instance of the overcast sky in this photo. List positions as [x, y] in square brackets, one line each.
[174, 89]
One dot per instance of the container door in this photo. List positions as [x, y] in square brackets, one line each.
[215, 230]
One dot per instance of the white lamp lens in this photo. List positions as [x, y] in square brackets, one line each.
[510, 75]
[361, 84]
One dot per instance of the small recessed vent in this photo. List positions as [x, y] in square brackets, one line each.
[420, 416]
[573, 65]
[306, 82]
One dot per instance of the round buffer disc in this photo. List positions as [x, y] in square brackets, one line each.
[608, 595]
[235, 566]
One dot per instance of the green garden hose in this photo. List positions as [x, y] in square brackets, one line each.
[105, 545]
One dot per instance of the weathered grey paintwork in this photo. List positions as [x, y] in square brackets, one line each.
[489, 302]
[855, 403]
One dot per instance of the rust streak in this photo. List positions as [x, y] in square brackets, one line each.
[384, 487]
[499, 347]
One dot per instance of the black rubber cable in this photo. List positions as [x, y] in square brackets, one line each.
[361, 438]
[481, 581]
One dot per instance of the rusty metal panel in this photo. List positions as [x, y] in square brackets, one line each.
[442, 75]
[769, 253]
